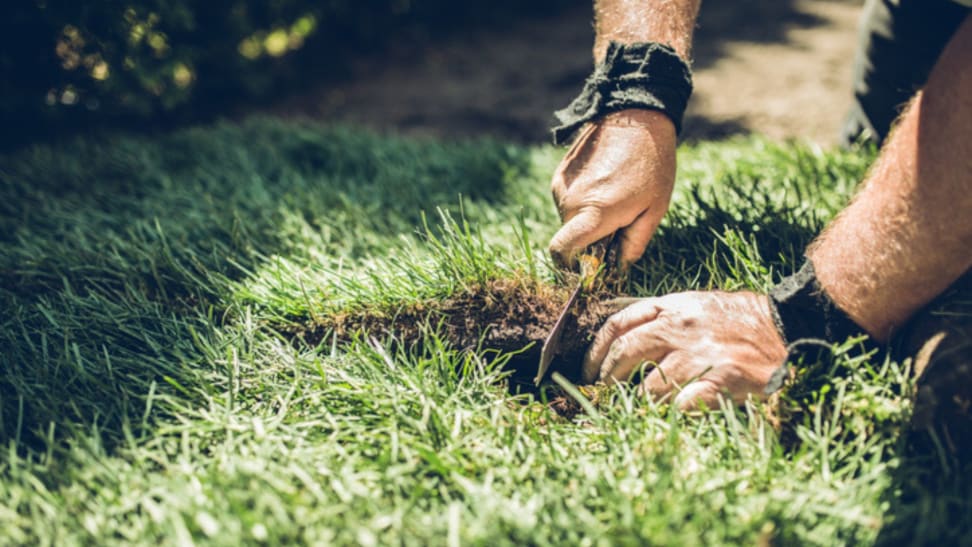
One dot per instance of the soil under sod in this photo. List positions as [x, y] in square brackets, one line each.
[502, 317]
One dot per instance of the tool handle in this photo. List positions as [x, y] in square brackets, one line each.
[600, 257]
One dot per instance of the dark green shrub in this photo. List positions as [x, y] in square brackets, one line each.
[64, 60]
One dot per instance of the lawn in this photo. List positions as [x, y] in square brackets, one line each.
[238, 333]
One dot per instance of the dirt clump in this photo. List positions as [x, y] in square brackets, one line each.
[566, 406]
[501, 317]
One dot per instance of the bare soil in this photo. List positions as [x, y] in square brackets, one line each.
[506, 317]
[775, 67]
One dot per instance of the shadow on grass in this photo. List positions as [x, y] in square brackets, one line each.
[928, 503]
[118, 254]
[929, 498]
[716, 247]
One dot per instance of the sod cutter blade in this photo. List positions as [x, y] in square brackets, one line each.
[592, 264]
[552, 344]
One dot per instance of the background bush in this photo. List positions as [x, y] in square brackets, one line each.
[63, 61]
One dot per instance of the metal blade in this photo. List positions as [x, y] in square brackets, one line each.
[552, 344]
[591, 266]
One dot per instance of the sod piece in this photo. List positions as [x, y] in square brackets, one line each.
[153, 389]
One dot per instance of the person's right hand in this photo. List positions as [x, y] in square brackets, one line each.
[618, 175]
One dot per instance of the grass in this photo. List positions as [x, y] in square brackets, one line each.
[149, 392]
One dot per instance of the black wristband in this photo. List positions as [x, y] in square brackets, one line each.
[805, 315]
[640, 75]
[802, 309]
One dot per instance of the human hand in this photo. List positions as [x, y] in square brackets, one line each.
[703, 344]
[618, 174]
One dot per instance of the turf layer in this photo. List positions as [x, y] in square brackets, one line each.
[150, 391]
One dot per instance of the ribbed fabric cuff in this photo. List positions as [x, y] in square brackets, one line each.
[806, 316]
[639, 75]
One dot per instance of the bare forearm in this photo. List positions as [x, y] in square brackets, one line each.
[665, 21]
[908, 233]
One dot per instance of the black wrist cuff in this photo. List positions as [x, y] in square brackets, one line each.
[805, 315]
[640, 75]
[802, 309]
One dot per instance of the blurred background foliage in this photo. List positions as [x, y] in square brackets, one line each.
[64, 62]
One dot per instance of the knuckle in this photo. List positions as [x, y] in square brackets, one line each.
[681, 318]
[593, 212]
[666, 318]
[623, 349]
[687, 322]
[612, 326]
[610, 362]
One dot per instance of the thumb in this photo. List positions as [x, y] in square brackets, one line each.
[576, 234]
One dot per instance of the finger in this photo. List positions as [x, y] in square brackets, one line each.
[577, 233]
[699, 395]
[657, 383]
[635, 238]
[617, 325]
[630, 351]
[696, 393]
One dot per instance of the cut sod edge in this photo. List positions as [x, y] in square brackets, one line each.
[500, 317]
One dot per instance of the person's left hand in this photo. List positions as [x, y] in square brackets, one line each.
[703, 345]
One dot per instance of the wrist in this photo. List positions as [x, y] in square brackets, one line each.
[802, 309]
[805, 315]
[636, 76]
[870, 313]
[638, 117]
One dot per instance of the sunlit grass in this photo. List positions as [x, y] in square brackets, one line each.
[148, 393]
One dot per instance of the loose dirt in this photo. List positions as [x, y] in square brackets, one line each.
[503, 317]
[775, 67]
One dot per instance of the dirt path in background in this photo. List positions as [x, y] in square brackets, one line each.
[791, 82]
[777, 67]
